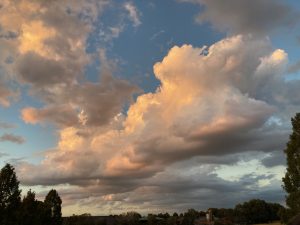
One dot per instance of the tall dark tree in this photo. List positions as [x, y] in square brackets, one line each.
[291, 181]
[10, 196]
[32, 211]
[53, 206]
[29, 209]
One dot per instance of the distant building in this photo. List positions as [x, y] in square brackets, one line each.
[209, 216]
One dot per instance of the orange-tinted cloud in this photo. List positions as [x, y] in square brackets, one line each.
[202, 108]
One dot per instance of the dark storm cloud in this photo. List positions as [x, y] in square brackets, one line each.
[217, 148]
[183, 192]
[276, 158]
[12, 138]
[243, 16]
[169, 191]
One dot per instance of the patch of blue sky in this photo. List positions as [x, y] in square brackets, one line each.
[37, 138]
[141, 47]
[92, 71]
[137, 48]
[289, 43]
[288, 39]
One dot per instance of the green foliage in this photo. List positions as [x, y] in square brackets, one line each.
[10, 196]
[291, 181]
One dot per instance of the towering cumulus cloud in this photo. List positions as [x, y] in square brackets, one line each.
[211, 101]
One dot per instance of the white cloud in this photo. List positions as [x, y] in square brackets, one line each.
[134, 14]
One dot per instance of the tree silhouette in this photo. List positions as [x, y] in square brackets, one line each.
[253, 211]
[291, 181]
[53, 207]
[10, 198]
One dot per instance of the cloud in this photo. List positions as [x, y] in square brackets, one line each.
[49, 51]
[242, 16]
[79, 100]
[50, 58]
[3, 154]
[175, 189]
[5, 125]
[56, 114]
[276, 158]
[134, 14]
[12, 138]
[208, 105]
[155, 35]
[219, 101]
[7, 95]
[39, 71]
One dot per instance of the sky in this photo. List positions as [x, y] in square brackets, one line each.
[148, 105]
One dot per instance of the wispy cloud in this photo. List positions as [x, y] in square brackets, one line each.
[154, 36]
[3, 154]
[237, 16]
[134, 14]
[12, 138]
[5, 125]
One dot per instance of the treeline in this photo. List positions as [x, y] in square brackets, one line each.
[251, 212]
[26, 211]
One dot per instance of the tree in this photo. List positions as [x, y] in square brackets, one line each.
[10, 196]
[189, 217]
[29, 206]
[291, 181]
[53, 207]
[32, 211]
[254, 211]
